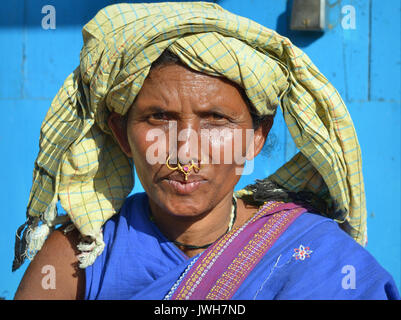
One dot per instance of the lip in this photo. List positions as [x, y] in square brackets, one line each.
[181, 186]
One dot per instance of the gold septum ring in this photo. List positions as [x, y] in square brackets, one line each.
[185, 169]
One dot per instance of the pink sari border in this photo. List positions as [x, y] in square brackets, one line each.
[221, 269]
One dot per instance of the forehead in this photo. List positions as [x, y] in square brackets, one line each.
[176, 81]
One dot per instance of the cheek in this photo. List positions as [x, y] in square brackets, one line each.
[227, 146]
[138, 139]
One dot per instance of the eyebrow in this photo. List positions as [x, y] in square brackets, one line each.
[221, 110]
[214, 109]
[154, 109]
[157, 109]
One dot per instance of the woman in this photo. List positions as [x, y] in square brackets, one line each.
[175, 89]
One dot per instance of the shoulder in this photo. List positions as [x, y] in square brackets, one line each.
[322, 231]
[54, 272]
[328, 263]
[330, 243]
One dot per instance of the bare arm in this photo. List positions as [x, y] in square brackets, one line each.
[54, 272]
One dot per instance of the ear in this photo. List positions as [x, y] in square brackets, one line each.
[118, 126]
[259, 138]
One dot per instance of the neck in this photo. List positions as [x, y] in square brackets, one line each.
[199, 230]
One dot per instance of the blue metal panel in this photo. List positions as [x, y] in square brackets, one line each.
[385, 71]
[20, 147]
[11, 36]
[379, 135]
[355, 52]
[362, 63]
[54, 49]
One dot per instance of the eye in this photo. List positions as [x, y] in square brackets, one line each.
[215, 119]
[159, 116]
[217, 116]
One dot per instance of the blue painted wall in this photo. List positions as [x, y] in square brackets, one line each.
[364, 64]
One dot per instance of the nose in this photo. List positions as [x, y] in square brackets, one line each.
[188, 141]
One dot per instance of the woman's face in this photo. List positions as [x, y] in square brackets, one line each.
[197, 117]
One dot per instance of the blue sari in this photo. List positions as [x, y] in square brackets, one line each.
[311, 258]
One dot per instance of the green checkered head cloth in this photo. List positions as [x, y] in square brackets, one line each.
[80, 165]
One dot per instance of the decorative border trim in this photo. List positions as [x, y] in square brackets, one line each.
[235, 255]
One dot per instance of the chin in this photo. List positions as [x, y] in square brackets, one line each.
[189, 206]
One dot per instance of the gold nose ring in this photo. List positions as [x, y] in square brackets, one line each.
[185, 169]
